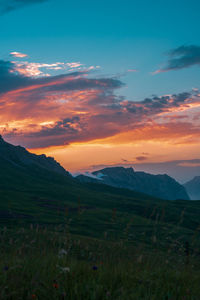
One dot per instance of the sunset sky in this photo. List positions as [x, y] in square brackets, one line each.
[103, 83]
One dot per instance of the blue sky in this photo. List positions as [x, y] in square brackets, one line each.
[117, 35]
[145, 49]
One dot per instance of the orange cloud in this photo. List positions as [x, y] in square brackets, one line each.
[40, 112]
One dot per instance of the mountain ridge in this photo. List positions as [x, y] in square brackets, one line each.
[22, 158]
[161, 185]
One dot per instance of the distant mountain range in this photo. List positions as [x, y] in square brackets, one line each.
[193, 188]
[161, 186]
[16, 160]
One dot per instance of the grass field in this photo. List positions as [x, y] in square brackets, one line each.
[37, 263]
[60, 239]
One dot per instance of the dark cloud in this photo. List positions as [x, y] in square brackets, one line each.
[10, 5]
[156, 104]
[84, 83]
[11, 79]
[182, 57]
[141, 158]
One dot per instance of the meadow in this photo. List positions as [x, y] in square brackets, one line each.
[37, 263]
[60, 239]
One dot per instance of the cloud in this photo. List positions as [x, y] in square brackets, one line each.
[9, 5]
[42, 111]
[141, 158]
[42, 69]
[192, 164]
[181, 57]
[34, 69]
[132, 70]
[14, 75]
[74, 65]
[18, 54]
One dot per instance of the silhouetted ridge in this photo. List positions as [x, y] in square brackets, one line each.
[161, 186]
[20, 157]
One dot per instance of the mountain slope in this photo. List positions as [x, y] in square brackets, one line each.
[193, 188]
[30, 194]
[20, 157]
[161, 186]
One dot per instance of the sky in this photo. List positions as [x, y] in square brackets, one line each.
[103, 83]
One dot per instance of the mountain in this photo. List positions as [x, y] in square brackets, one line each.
[21, 158]
[18, 159]
[161, 186]
[35, 191]
[193, 188]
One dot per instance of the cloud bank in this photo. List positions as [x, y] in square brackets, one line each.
[55, 110]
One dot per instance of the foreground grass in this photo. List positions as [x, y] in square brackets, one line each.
[40, 264]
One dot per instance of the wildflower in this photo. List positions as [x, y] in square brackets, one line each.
[33, 296]
[62, 252]
[94, 268]
[55, 284]
[6, 268]
[64, 269]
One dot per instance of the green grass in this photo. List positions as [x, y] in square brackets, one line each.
[31, 265]
[138, 242]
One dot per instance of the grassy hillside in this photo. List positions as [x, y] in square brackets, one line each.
[32, 195]
[61, 239]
